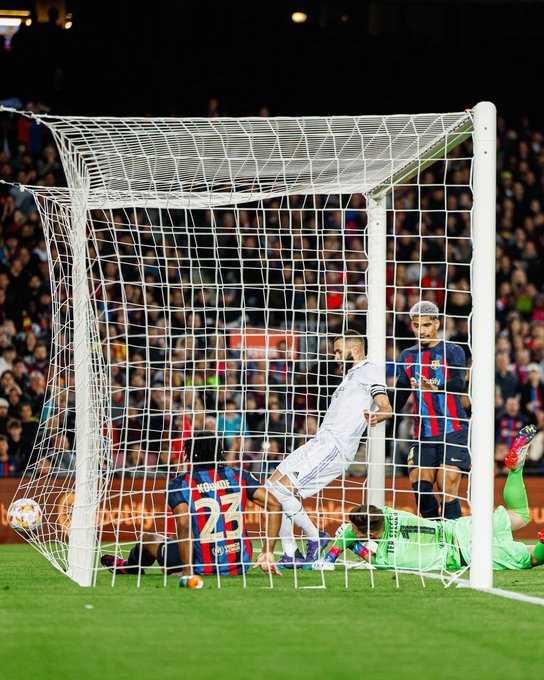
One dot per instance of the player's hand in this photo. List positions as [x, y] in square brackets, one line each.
[427, 384]
[371, 418]
[266, 563]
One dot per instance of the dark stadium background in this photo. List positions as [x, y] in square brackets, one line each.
[376, 56]
[210, 58]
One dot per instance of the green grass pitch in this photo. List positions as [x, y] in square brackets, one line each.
[54, 630]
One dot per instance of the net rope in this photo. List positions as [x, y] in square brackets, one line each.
[222, 257]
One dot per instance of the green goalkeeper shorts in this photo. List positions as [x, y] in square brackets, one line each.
[507, 553]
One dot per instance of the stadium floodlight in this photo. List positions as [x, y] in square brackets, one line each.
[247, 244]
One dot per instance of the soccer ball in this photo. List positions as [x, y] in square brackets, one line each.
[24, 514]
[193, 582]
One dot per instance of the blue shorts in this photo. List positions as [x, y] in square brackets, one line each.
[433, 453]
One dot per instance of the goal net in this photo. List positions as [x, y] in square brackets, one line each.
[200, 272]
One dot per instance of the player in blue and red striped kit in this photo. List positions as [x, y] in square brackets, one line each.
[208, 503]
[433, 371]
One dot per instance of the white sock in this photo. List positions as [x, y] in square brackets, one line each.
[292, 507]
[303, 521]
[288, 542]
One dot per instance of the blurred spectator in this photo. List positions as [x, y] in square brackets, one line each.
[8, 467]
[508, 422]
[29, 425]
[135, 466]
[231, 423]
[505, 378]
[4, 407]
[18, 450]
[532, 393]
[300, 276]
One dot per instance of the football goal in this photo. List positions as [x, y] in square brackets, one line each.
[201, 270]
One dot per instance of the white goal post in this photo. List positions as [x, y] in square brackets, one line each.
[132, 178]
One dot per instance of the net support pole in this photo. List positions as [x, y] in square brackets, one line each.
[483, 343]
[82, 536]
[376, 336]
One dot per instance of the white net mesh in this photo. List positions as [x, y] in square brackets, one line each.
[222, 257]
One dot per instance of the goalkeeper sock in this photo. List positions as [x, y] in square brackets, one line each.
[360, 550]
[538, 552]
[452, 510]
[515, 494]
[425, 499]
[138, 557]
[288, 542]
[333, 554]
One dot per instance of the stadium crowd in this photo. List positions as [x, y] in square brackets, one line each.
[191, 360]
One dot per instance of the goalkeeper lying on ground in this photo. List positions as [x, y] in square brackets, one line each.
[401, 540]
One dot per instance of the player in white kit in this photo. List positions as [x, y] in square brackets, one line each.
[358, 402]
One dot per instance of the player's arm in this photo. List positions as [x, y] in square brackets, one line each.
[384, 410]
[272, 509]
[272, 521]
[456, 370]
[403, 387]
[183, 531]
[345, 539]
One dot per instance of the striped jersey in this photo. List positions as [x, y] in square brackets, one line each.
[438, 412]
[216, 498]
[344, 419]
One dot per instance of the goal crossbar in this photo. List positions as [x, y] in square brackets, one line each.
[191, 163]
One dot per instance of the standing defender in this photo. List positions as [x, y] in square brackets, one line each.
[433, 370]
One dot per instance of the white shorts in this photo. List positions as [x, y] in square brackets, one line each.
[314, 465]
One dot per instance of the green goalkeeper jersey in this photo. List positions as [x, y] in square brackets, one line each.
[412, 542]
[415, 543]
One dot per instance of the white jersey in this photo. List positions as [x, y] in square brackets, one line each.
[344, 420]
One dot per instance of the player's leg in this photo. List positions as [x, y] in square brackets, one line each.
[448, 481]
[291, 554]
[537, 551]
[302, 474]
[293, 514]
[421, 463]
[142, 554]
[168, 556]
[455, 462]
[514, 492]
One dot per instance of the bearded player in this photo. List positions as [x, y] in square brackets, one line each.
[358, 402]
[433, 371]
[402, 540]
[208, 503]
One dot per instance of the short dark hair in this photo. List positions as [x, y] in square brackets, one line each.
[203, 449]
[367, 518]
[353, 335]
